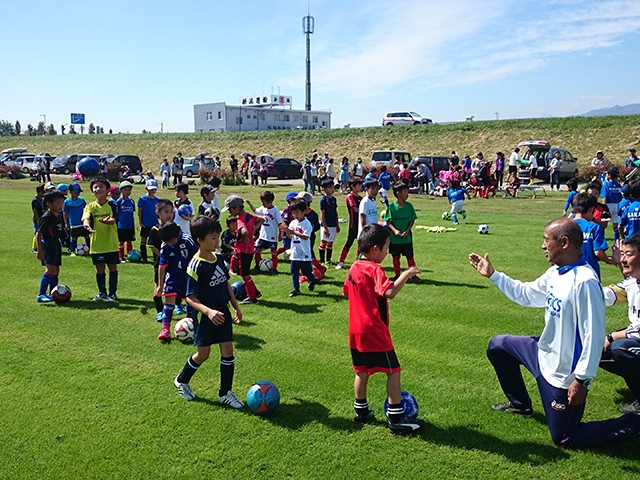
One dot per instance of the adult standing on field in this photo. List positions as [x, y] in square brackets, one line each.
[233, 163]
[499, 168]
[554, 170]
[358, 168]
[533, 166]
[455, 159]
[564, 359]
[513, 160]
[629, 162]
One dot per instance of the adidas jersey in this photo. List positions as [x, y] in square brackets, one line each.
[626, 291]
[207, 280]
[571, 343]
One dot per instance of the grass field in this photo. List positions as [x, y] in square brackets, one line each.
[86, 389]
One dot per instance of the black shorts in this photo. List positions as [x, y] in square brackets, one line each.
[207, 333]
[52, 252]
[374, 362]
[126, 234]
[110, 258]
[397, 249]
[77, 232]
[513, 168]
[245, 260]
[266, 244]
[145, 231]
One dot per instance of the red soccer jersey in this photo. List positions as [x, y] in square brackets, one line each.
[365, 286]
[249, 222]
[353, 201]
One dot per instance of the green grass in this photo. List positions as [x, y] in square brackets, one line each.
[86, 390]
[582, 136]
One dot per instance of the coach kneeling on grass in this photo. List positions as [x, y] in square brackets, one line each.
[564, 359]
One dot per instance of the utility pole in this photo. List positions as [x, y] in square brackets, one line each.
[307, 28]
[45, 123]
[161, 127]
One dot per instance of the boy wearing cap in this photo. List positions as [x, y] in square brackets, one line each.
[246, 225]
[209, 200]
[286, 219]
[147, 216]
[612, 195]
[126, 223]
[72, 210]
[99, 219]
[183, 221]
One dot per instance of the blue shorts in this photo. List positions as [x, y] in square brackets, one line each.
[286, 242]
[266, 245]
[207, 333]
[174, 288]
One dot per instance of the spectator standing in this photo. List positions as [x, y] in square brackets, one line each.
[165, 173]
[358, 168]
[629, 162]
[513, 160]
[554, 170]
[233, 163]
[499, 168]
[533, 167]
[455, 159]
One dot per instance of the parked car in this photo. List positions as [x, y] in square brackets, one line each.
[11, 156]
[544, 152]
[387, 157]
[131, 161]
[283, 167]
[66, 164]
[192, 166]
[28, 163]
[404, 118]
[436, 164]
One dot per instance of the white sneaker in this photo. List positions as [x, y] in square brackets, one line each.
[231, 400]
[339, 266]
[184, 389]
[100, 296]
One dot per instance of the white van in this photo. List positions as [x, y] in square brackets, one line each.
[387, 157]
[404, 118]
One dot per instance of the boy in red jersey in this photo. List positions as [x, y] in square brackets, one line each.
[353, 204]
[368, 290]
[246, 226]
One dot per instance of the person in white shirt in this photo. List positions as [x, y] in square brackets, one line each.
[358, 168]
[622, 347]
[299, 230]
[533, 167]
[368, 209]
[564, 359]
[269, 231]
[513, 160]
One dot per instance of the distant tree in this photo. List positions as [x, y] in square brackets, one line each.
[110, 131]
[18, 128]
[51, 130]
[72, 129]
[40, 129]
[92, 129]
[6, 129]
[30, 130]
[62, 129]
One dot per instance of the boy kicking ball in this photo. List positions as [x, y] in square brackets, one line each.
[368, 290]
[209, 292]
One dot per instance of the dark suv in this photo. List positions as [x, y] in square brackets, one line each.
[131, 161]
[436, 164]
[67, 163]
[544, 153]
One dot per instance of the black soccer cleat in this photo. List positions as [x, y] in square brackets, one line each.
[510, 408]
[405, 425]
[369, 417]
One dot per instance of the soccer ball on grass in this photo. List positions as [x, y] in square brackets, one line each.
[410, 404]
[446, 216]
[134, 256]
[483, 229]
[61, 294]
[185, 330]
[266, 265]
[82, 249]
[263, 397]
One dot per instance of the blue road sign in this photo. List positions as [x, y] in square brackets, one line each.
[77, 118]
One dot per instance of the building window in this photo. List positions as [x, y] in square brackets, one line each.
[324, 124]
[315, 119]
[248, 117]
[262, 116]
[305, 118]
[209, 116]
[296, 118]
[276, 117]
[219, 115]
[238, 120]
[286, 117]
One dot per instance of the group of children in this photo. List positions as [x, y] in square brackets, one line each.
[187, 265]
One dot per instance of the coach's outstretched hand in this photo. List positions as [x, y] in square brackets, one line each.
[481, 264]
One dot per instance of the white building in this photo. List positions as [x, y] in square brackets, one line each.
[220, 117]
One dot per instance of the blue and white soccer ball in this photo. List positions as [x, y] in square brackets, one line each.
[446, 216]
[263, 397]
[238, 290]
[410, 404]
[483, 229]
[185, 210]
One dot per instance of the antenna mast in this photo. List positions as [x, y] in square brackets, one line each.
[307, 29]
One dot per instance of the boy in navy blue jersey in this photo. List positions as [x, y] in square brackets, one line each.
[209, 292]
[126, 224]
[312, 216]
[147, 217]
[456, 196]
[72, 210]
[164, 210]
[50, 231]
[612, 195]
[175, 254]
[228, 244]
[329, 221]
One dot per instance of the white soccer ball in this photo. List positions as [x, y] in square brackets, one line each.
[266, 265]
[446, 215]
[483, 229]
[185, 330]
[82, 249]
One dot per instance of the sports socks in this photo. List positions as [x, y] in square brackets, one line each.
[227, 367]
[47, 282]
[455, 218]
[395, 412]
[396, 265]
[258, 257]
[361, 406]
[189, 369]
[274, 260]
[329, 251]
[73, 243]
[616, 234]
[157, 302]
[129, 247]
[250, 287]
[411, 262]
[167, 315]
[121, 251]
[321, 251]
[343, 254]
[113, 282]
[143, 251]
[101, 280]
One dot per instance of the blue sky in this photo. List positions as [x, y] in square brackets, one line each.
[132, 65]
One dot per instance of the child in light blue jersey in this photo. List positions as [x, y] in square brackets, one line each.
[456, 196]
[72, 211]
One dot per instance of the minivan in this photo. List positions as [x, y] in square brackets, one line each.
[544, 152]
[67, 163]
[387, 157]
[131, 161]
[404, 118]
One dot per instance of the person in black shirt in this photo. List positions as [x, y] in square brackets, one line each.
[38, 209]
[50, 231]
